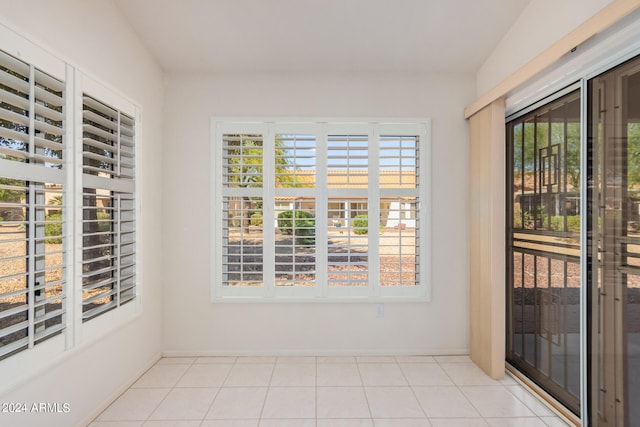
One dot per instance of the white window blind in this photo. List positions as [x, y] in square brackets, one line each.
[400, 210]
[32, 236]
[319, 209]
[31, 113]
[108, 208]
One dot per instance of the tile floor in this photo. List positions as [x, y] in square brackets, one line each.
[323, 391]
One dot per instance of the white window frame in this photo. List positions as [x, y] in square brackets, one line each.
[321, 128]
[76, 334]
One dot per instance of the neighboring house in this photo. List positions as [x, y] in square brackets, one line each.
[393, 214]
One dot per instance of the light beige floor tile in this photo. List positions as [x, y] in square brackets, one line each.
[172, 423]
[364, 422]
[533, 403]
[425, 374]
[402, 422]
[458, 422]
[249, 375]
[290, 402]
[375, 359]
[508, 380]
[206, 375]
[238, 402]
[393, 402]
[495, 402]
[338, 374]
[299, 374]
[161, 376]
[381, 374]
[185, 404]
[288, 423]
[216, 360]
[229, 423]
[554, 422]
[134, 404]
[464, 374]
[256, 359]
[295, 359]
[515, 422]
[444, 402]
[342, 402]
[335, 359]
[415, 359]
[176, 360]
[453, 359]
[116, 424]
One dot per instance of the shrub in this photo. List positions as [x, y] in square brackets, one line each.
[256, 219]
[361, 224]
[53, 229]
[303, 224]
[286, 222]
[573, 223]
[104, 221]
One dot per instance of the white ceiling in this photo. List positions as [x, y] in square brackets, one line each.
[321, 35]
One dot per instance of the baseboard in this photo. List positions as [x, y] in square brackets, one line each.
[317, 352]
[109, 400]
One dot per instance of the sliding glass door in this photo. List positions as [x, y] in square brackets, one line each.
[543, 203]
[614, 246]
[574, 302]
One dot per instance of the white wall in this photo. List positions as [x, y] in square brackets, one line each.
[542, 23]
[93, 37]
[194, 324]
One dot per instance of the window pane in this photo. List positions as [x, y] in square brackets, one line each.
[348, 161]
[98, 255]
[243, 160]
[398, 161]
[31, 255]
[295, 243]
[243, 241]
[398, 242]
[13, 264]
[108, 141]
[18, 88]
[348, 245]
[48, 260]
[295, 157]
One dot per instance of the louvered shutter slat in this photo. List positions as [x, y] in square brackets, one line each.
[108, 153]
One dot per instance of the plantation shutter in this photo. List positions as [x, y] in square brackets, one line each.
[399, 210]
[320, 209]
[108, 226]
[32, 239]
[31, 113]
[295, 204]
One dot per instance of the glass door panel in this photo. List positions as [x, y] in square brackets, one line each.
[614, 246]
[543, 278]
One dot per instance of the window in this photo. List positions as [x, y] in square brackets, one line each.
[32, 268]
[314, 209]
[50, 173]
[108, 220]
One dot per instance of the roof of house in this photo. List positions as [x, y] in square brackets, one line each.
[349, 178]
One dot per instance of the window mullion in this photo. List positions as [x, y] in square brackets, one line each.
[373, 195]
[322, 214]
[32, 112]
[117, 244]
[78, 215]
[268, 212]
[118, 153]
[31, 264]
